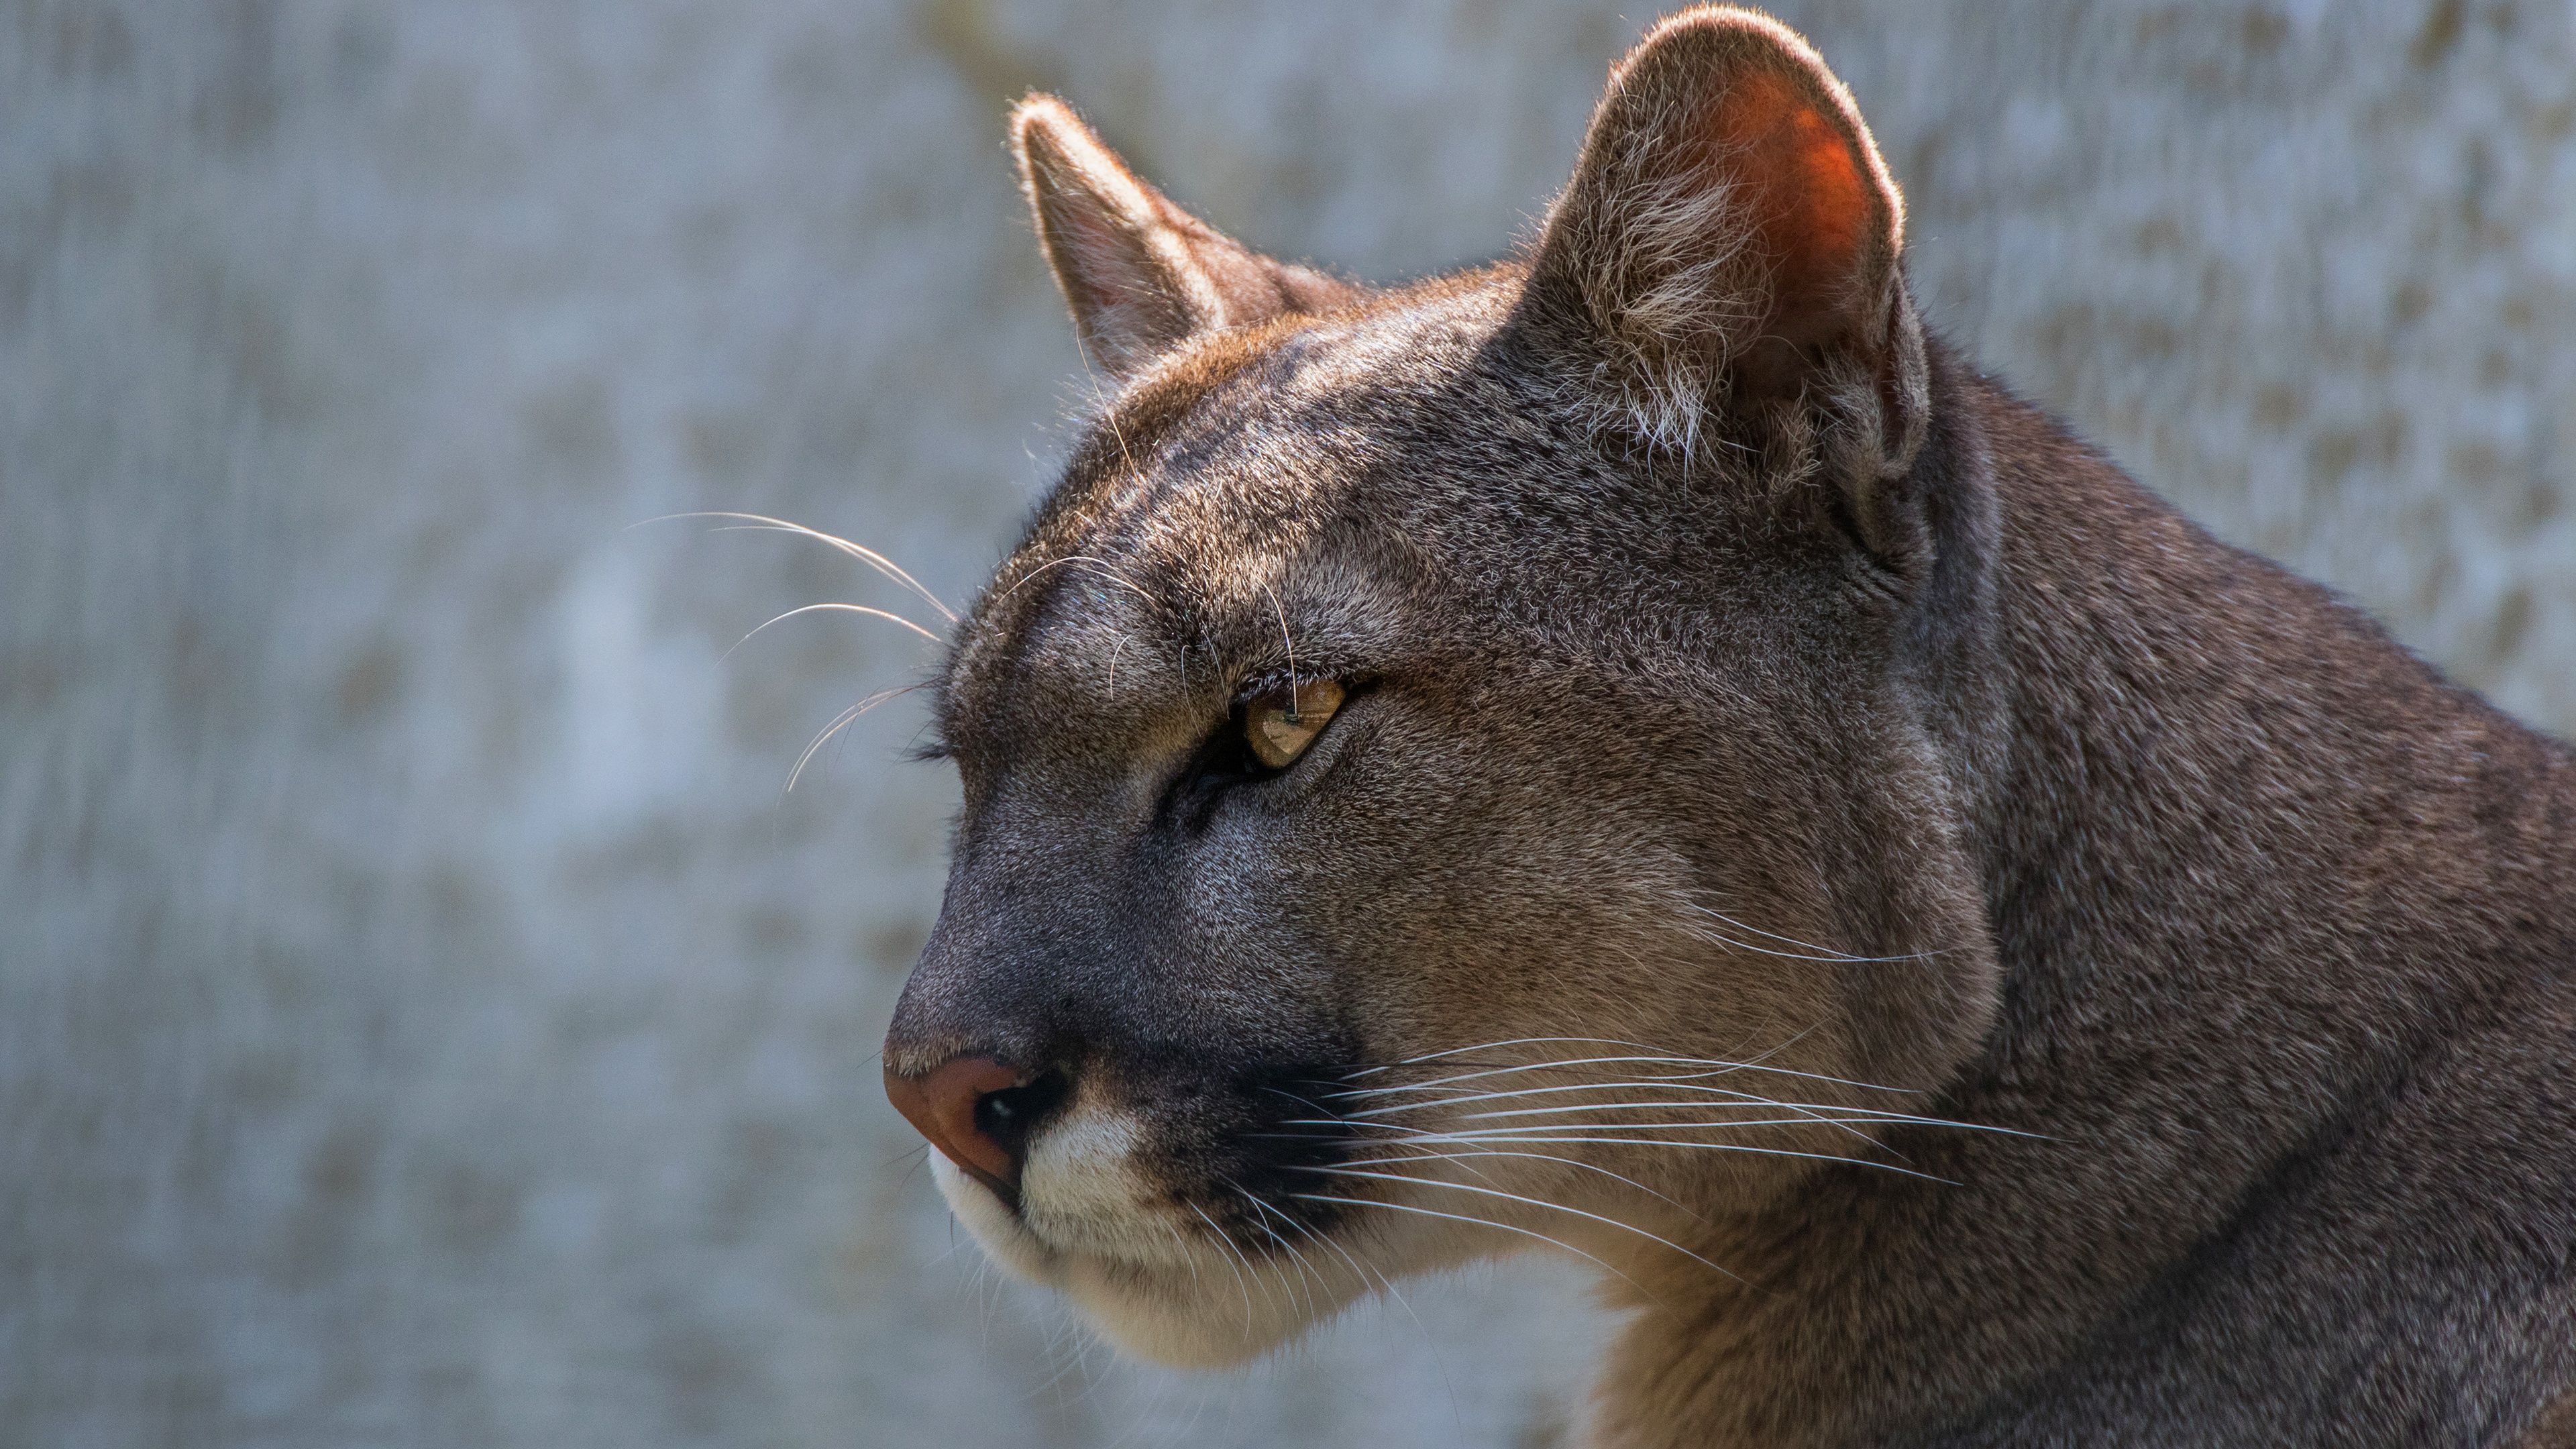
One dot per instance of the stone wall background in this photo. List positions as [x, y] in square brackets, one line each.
[423, 1018]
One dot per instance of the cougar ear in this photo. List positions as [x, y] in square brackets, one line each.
[1140, 273]
[1731, 237]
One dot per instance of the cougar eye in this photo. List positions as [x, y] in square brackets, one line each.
[1280, 725]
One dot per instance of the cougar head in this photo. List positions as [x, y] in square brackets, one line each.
[1443, 773]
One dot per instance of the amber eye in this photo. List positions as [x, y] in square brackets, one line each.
[1279, 726]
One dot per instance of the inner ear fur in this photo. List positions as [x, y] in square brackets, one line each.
[1141, 275]
[1729, 251]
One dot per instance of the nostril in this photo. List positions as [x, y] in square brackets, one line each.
[1009, 1117]
[980, 1113]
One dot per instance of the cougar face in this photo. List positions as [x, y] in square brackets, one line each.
[1412, 810]
[1638, 750]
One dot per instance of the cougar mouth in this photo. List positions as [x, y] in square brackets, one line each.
[1202, 1249]
[1197, 1228]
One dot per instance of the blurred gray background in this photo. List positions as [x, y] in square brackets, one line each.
[423, 1018]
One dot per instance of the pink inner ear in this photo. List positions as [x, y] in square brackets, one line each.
[1810, 203]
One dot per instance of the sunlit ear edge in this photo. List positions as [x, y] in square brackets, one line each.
[1141, 275]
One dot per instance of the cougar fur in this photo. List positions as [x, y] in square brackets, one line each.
[1642, 751]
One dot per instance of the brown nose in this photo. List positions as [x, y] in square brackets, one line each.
[978, 1112]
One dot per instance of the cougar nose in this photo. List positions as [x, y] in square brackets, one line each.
[980, 1113]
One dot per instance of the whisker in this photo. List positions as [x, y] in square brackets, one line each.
[1384, 1283]
[1574, 1134]
[1531, 1201]
[1481, 1223]
[1294, 1256]
[1303, 1267]
[1722, 1067]
[1650, 1084]
[1288, 643]
[1310, 1276]
[1083, 558]
[1829, 953]
[1308, 1233]
[1755, 1104]
[1821, 1115]
[1746, 1100]
[1252, 1267]
[1187, 1256]
[846, 718]
[870, 557]
[1226, 1245]
[1703, 933]
[1461, 1051]
[1534, 1128]
[1717, 1147]
[1459, 1157]
[885, 614]
[1465, 1134]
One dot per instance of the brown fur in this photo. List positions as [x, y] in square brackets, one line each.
[2167, 975]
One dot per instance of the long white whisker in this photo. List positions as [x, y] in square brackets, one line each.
[1479, 1047]
[1814, 1111]
[1459, 1157]
[1465, 1134]
[1290, 644]
[1615, 1042]
[1575, 1133]
[1642, 1106]
[1717, 1066]
[1299, 1259]
[1101, 564]
[868, 556]
[846, 717]
[1244, 1253]
[1650, 1084]
[1711, 1147]
[1821, 1116]
[1187, 1256]
[838, 609]
[1226, 1246]
[1531, 1201]
[1454, 1078]
[1303, 1267]
[1475, 1222]
[1309, 1234]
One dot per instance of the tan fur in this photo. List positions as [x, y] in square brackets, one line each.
[1972, 959]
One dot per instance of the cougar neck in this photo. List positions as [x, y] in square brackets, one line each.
[2242, 858]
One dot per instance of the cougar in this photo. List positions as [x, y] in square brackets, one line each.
[1643, 751]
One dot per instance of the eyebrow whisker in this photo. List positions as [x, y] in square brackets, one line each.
[762, 522]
